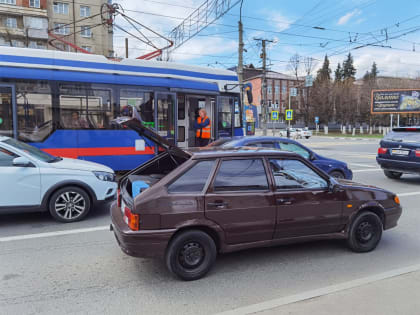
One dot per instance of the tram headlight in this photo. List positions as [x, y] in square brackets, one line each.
[105, 176]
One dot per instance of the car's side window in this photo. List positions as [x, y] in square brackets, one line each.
[262, 144]
[6, 157]
[192, 180]
[293, 174]
[241, 175]
[294, 148]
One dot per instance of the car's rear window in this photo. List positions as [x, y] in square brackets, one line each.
[403, 136]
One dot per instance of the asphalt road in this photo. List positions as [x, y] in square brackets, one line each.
[85, 272]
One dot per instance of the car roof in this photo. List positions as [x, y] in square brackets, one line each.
[2, 138]
[261, 138]
[204, 153]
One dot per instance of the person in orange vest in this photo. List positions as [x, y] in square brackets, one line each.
[203, 129]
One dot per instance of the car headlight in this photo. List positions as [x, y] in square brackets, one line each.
[105, 176]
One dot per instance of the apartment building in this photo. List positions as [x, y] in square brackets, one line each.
[24, 23]
[27, 23]
[80, 23]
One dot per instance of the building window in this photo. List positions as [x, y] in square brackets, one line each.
[34, 4]
[62, 47]
[17, 43]
[87, 48]
[61, 8]
[61, 28]
[86, 31]
[277, 89]
[84, 11]
[8, 2]
[269, 89]
[11, 22]
[36, 45]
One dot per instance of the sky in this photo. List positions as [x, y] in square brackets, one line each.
[383, 31]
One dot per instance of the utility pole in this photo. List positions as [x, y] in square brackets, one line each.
[126, 47]
[264, 82]
[241, 61]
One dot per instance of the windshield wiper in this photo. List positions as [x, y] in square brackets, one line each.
[55, 159]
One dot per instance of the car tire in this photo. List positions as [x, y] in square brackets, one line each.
[307, 137]
[393, 175]
[365, 232]
[191, 254]
[337, 174]
[69, 204]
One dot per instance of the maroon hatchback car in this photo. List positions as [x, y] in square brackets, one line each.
[187, 207]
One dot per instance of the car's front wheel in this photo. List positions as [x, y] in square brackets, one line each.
[365, 232]
[337, 174]
[393, 175]
[191, 254]
[69, 204]
[307, 137]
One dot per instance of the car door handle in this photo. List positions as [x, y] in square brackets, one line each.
[218, 205]
[285, 201]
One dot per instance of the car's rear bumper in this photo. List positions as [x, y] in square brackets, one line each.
[399, 166]
[392, 216]
[144, 243]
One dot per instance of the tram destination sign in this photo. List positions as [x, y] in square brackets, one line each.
[395, 101]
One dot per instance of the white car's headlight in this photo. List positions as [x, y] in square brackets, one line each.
[105, 176]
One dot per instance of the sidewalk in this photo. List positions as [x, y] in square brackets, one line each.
[398, 295]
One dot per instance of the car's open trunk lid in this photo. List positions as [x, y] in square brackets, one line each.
[150, 172]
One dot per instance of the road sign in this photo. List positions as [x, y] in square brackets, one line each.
[293, 91]
[316, 119]
[289, 114]
[309, 80]
[275, 115]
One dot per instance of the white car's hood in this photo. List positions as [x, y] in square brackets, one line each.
[74, 164]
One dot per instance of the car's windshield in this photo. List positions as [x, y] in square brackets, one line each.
[403, 136]
[34, 152]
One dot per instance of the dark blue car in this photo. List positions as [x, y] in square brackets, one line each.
[333, 167]
[399, 152]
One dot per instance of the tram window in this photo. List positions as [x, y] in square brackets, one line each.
[225, 113]
[34, 110]
[181, 107]
[85, 107]
[141, 102]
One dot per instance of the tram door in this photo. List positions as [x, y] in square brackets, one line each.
[166, 116]
[7, 117]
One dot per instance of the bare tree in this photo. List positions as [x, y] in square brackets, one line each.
[309, 64]
[294, 65]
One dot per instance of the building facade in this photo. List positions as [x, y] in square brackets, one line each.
[80, 23]
[27, 23]
[24, 23]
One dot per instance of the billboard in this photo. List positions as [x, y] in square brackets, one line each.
[395, 101]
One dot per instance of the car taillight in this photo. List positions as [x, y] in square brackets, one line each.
[382, 150]
[417, 153]
[132, 219]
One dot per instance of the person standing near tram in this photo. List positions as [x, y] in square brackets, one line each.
[203, 129]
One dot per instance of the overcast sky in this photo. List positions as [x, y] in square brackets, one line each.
[387, 31]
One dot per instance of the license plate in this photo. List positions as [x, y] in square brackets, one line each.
[399, 152]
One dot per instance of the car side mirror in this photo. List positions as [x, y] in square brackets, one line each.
[22, 162]
[333, 186]
[312, 156]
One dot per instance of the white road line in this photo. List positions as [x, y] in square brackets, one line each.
[409, 194]
[362, 165]
[51, 234]
[367, 170]
[267, 305]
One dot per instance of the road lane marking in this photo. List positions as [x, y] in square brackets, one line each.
[367, 170]
[275, 303]
[363, 165]
[52, 234]
[409, 194]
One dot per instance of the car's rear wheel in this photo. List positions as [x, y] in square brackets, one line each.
[365, 232]
[69, 204]
[307, 137]
[191, 254]
[337, 174]
[393, 175]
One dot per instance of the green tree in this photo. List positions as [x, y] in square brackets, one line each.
[349, 71]
[324, 73]
[338, 74]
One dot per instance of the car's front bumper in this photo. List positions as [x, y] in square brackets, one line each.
[392, 216]
[399, 166]
[143, 243]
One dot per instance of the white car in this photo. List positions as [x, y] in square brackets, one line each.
[32, 180]
[304, 132]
